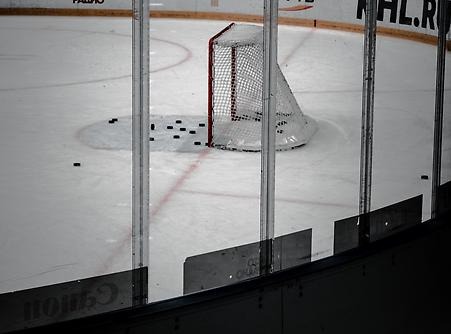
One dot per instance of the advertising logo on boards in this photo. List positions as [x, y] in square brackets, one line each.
[94, 2]
[401, 13]
[302, 5]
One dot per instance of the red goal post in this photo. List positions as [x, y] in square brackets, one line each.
[210, 81]
[235, 94]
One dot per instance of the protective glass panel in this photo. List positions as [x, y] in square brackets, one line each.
[320, 55]
[404, 103]
[65, 133]
[445, 196]
[204, 193]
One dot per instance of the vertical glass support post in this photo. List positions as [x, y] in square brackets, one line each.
[439, 101]
[267, 194]
[366, 158]
[140, 145]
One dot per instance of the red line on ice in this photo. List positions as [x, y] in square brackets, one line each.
[179, 183]
[126, 241]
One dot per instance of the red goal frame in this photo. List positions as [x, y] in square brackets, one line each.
[210, 82]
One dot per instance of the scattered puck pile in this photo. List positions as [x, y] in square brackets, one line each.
[179, 130]
[168, 133]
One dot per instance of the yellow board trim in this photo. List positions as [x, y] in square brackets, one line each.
[321, 24]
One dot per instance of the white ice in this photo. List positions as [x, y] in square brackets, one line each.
[61, 75]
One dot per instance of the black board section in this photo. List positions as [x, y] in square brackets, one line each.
[396, 217]
[292, 250]
[383, 222]
[67, 301]
[444, 198]
[236, 264]
[346, 234]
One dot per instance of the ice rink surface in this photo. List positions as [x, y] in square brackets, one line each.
[63, 78]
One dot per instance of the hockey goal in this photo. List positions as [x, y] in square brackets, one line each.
[235, 89]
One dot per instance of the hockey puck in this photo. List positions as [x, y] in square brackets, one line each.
[151, 139]
[182, 129]
[152, 126]
[169, 127]
[197, 143]
[111, 121]
[77, 164]
[192, 132]
[176, 137]
[115, 119]
[178, 121]
[202, 125]
[424, 177]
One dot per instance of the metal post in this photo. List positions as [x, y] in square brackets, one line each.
[140, 144]
[439, 100]
[267, 200]
[366, 159]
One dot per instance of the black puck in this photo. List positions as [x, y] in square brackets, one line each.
[197, 143]
[114, 119]
[176, 137]
[182, 129]
[424, 177]
[152, 126]
[169, 127]
[151, 139]
[111, 121]
[192, 132]
[202, 125]
[77, 164]
[179, 121]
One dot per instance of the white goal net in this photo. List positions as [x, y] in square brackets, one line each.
[235, 95]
